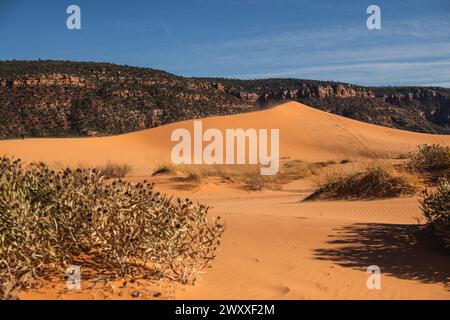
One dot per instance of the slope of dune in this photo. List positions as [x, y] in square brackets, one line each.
[305, 133]
[276, 247]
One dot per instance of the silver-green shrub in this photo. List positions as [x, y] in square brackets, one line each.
[431, 158]
[48, 219]
[436, 209]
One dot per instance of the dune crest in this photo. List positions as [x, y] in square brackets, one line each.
[305, 133]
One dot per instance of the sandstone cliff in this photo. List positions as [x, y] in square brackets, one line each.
[60, 98]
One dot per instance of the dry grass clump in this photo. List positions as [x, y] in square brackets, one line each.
[433, 159]
[113, 170]
[289, 171]
[247, 176]
[298, 169]
[50, 219]
[194, 176]
[163, 169]
[191, 175]
[257, 182]
[436, 209]
[378, 180]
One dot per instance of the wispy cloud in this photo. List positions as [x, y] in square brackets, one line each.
[387, 73]
[407, 52]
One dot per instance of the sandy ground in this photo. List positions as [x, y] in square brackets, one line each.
[275, 246]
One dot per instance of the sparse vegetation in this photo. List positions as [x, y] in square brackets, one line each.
[247, 176]
[298, 169]
[49, 219]
[194, 177]
[163, 170]
[433, 159]
[113, 170]
[259, 183]
[378, 180]
[402, 156]
[436, 209]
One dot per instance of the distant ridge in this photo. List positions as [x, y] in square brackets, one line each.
[64, 98]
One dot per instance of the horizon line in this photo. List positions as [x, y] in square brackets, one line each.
[442, 85]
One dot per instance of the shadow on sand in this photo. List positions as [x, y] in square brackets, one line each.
[402, 251]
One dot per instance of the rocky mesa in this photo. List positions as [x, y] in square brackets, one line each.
[62, 98]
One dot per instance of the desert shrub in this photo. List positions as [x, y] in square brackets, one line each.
[194, 177]
[298, 169]
[114, 170]
[254, 184]
[431, 158]
[246, 176]
[50, 219]
[163, 169]
[403, 156]
[375, 181]
[436, 209]
[259, 183]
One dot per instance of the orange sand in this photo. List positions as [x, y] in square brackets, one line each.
[276, 247]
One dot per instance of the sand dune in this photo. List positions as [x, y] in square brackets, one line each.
[305, 133]
[275, 246]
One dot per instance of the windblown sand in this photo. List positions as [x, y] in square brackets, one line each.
[275, 246]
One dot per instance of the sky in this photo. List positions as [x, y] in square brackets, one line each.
[247, 39]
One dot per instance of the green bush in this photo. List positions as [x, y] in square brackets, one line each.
[436, 209]
[50, 219]
[431, 158]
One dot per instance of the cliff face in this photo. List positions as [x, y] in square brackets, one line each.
[58, 98]
[45, 80]
[317, 91]
[420, 94]
[435, 103]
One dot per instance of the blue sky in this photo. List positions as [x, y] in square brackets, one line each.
[316, 39]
